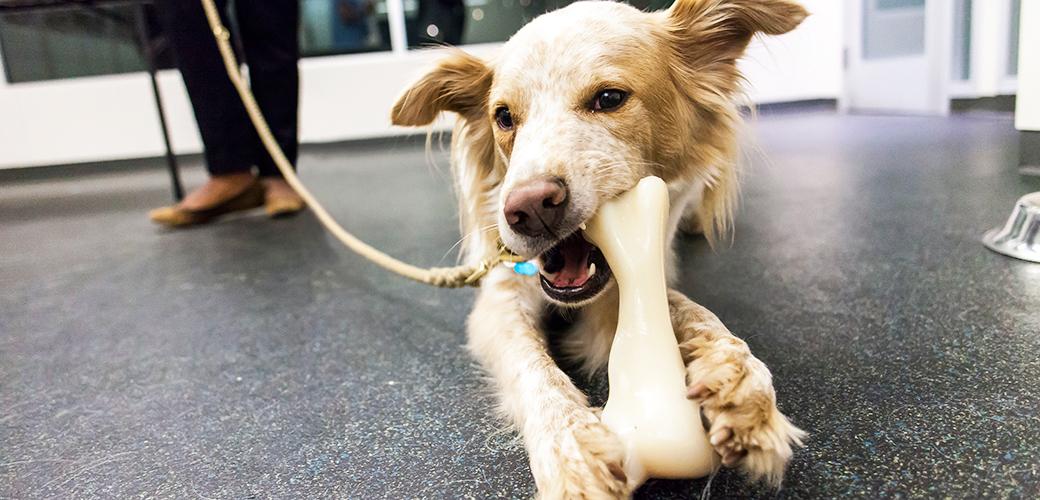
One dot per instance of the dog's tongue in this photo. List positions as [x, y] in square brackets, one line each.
[575, 271]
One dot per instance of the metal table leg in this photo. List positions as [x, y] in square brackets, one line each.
[149, 56]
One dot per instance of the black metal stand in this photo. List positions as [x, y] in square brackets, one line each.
[149, 57]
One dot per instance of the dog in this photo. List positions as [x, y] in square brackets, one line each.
[576, 108]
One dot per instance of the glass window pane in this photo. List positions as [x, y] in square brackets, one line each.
[460, 22]
[54, 43]
[898, 4]
[961, 67]
[892, 28]
[1016, 13]
[343, 27]
[67, 43]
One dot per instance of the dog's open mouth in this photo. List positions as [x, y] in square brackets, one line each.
[574, 270]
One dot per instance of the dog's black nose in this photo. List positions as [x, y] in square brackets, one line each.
[536, 207]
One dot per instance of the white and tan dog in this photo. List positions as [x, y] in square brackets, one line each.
[577, 107]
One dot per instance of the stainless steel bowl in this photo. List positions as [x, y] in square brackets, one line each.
[1020, 237]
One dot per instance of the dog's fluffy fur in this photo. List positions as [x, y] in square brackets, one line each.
[679, 68]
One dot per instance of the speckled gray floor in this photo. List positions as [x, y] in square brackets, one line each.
[257, 359]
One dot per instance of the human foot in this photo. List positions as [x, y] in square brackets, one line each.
[218, 189]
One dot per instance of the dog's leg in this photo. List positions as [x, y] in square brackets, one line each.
[572, 454]
[735, 391]
[690, 222]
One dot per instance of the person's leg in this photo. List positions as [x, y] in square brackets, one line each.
[227, 135]
[270, 39]
[270, 33]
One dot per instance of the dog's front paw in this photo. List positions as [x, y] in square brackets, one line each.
[584, 459]
[747, 430]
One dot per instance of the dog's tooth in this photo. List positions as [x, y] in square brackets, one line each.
[583, 227]
[592, 269]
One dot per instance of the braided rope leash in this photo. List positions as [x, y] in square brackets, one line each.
[444, 277]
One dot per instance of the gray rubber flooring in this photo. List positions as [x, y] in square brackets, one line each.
[258, 359]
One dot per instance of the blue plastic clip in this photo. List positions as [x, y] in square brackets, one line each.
[525, 268]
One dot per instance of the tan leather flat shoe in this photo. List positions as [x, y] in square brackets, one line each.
[283, 205]
[174, 216]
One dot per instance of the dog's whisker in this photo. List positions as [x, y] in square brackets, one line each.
[466, 236]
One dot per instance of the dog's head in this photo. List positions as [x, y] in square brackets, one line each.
[582, 103]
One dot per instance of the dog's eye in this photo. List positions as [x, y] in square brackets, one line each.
[609, 99]
[503, 118]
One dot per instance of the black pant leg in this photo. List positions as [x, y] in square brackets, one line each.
[229, 138]
[270, 31]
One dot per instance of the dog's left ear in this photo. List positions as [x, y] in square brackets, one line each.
[459, 83]
[714, 31]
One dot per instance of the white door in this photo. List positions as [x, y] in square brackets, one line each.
[898, 55]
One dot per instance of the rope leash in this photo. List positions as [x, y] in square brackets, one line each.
[444, 277]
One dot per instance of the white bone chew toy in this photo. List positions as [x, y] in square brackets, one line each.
[647, 406]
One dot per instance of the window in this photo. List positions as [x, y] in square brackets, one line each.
[92, 40]
[961, 66]
[66, 43]
[55, 43]
[462, 22]
[343, 27]
[1016, 16]
[893, 28]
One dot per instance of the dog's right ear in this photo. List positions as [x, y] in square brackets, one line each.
[459, 83]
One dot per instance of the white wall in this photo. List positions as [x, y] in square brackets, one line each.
[1027, 114]
[114, 117]
[342, 97]
[803, 64]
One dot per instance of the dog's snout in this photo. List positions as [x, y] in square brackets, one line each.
[536, 207]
